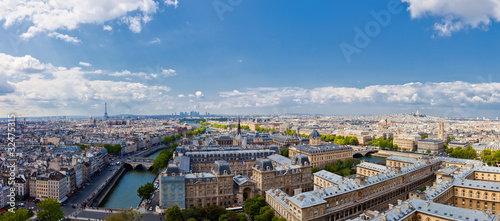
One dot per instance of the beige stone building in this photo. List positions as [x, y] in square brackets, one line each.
[352, 197]
[291, 175]
[52, 185]
[320, 154]
[406, 141]
[367, 169]
[397, 161]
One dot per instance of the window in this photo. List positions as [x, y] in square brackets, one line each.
[478, 205]
[494, 197]
[485, 195]
[485, 206]
[478, 195]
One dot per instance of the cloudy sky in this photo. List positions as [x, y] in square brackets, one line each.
[60, 57]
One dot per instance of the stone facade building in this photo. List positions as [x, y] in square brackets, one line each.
[276, 171]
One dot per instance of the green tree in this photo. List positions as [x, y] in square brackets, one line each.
[253, 205]
[167, 140]
[232, 216]
[242, 217]
[173, 213]
[190, 213]
[18, 215]
[50, 210]
[174, 146]
[424, 136]
[214, 211]
[284, 152]
[146, 191]
[161, 161]
[428, 151]
[125, 215]
[314, 170]
[113, 149]
[223, 217]
[265, 214]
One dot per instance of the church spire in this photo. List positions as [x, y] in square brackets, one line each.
[239, 126]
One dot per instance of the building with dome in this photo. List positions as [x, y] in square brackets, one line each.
[319, 153]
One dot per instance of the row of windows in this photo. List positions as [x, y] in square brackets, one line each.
[478, 205]
[477, 194]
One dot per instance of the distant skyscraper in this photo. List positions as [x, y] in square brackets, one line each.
[106, 111]
[441, 130]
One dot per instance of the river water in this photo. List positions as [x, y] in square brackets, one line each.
[373, 159]
[124, 193]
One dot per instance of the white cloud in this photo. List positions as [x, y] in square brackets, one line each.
[168, 72]
[155, 41]
[199, 94]
[48, 16]
[107, 28]
[429, 94]
[456, 15]
[84, 64]
[43, 89]
[164, 73]
[63, 37]
[172, 2]
[240, 61]
[181, 95]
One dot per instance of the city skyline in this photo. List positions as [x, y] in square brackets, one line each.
[331, 58]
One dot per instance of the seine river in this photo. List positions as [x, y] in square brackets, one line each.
[124, 193]
[372, 159]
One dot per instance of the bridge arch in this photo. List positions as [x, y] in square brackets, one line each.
[357, 155]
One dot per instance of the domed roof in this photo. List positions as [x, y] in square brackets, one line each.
[314, 134]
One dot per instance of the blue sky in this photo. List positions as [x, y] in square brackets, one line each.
[263, 57]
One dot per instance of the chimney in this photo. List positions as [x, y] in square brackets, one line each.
[301, 197]
[407, 205]
[400, 202]
[426, 203]
[398, 209]
[376, 213]
[384, 217]
[360, 180]
[391, 206]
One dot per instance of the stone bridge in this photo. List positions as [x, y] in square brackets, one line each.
[137, 162]
[364, 152]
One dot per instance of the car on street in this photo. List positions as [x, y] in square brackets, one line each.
[150, 208]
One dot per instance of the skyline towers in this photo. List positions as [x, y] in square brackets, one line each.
[106, 111]
[441, 130]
